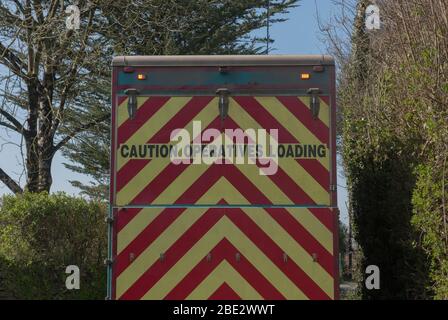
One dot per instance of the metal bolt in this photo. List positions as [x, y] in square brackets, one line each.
[223, 69]
[209, 257]
[237, 257]
[109, 219]
[108, 262]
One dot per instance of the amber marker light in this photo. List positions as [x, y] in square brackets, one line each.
[141, 76]
[305, 76]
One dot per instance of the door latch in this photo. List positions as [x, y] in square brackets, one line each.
[223, 103]
[314, 102]
[132, 102]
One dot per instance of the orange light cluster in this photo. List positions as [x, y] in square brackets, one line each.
[305, 76]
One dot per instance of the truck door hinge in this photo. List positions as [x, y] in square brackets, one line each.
[132, 102]
[333, 187]
[108, 261]
[223, 103]
[314, 102]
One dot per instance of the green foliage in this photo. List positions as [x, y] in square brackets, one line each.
[428, 204]
[180, 27]
[395, 137]
[40, 235]
[381, 187]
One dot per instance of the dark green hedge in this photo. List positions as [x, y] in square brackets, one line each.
[428, 201]
[40, 235]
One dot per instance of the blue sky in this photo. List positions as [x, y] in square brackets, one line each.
[299, 35]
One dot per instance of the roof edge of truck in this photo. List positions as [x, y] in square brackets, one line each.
[222, 60]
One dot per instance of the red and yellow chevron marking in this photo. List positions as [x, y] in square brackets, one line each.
[157, 181]
[247, 253]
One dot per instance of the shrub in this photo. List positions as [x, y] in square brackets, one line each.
[428, 200]
[40, 235]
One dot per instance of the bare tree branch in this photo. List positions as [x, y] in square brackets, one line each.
[9, 182]
[9, 126]
[15, 64]
[18, 126]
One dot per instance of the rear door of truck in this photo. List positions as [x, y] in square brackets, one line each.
[185, 225]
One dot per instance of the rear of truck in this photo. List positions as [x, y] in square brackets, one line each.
[223, 178]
